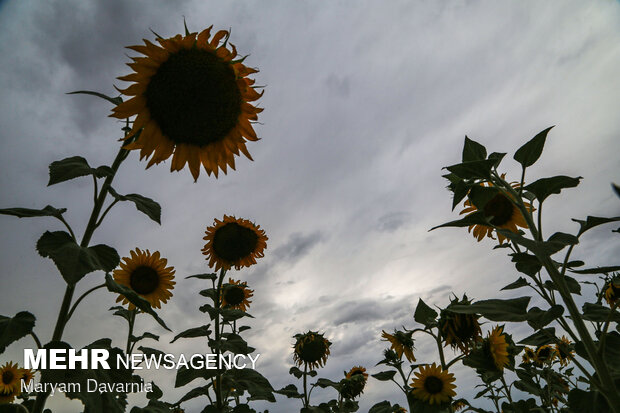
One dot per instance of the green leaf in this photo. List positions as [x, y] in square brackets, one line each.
[526, 263]
[540, 338]
[460, 191]
[592, 222]
[48, 211]
[148, 351]
[572, 284]
[597, 312]
[475, 218]
[195, 392]
[563, 238]
[538, 318]
[290, 391]
[146, 205]
[521, 282]
[202, 331]
[529, 153]
[424, 314]
[235, 344]
[232, 314]
[497, 157]
[295, 372]
[133, 298]
[74, 167]
[120, 311]
[211, 276]
[115, 101]
[587, 402]
[473, 151]
[135, 339]
[598, 270]
[72, 260]
[514, 309]
[544, 187]
[252, 381]
[473, 169]
[14, 328]
[324, 383]
[384, 375]
[186, 375]
[616, 189]
[480, 195]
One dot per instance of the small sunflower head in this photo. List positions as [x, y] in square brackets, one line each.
[433, 385]
[390, 356]
[234, 242]
[147, 275]
[311, 349]
[612, 291]
[546, 354]
[460, 331]
[354, 382]
[10, 382]
[529, 356]
[401, 342]
[459, 405]
[564, 351]
[496, 346]
[236, 294]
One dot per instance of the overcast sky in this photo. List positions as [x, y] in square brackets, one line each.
[365, 102]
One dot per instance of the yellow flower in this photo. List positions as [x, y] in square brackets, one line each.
[546, 354]
[612, 291]
[192, 101]
[459, 405]
[529, 355]
[504, 213]
[354, 382]
[234, 242]
[497, 346]
[433, 385]
[147, 275]
[357, 370]
[236, 295]
[459, 330]
[27, 375]
[10, 382]
[311, 349]
[402, 343]
[564, 351]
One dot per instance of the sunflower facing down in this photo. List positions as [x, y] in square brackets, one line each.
[433, 385]
[236, 295]
[564, 351]
[234, 242]
[10, 382]
[459, 330]
[192, 101]
[503, 212]
[612, 291]
[354, 382]
[402, 343]
[497, 347]
[147, 275]
[311, 349]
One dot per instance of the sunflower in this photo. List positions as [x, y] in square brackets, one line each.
[529, 355]
[564, 351]
[612, 291]
[192, 101]
[147, 275]
[433, 385]
[402, 343]
[459, 405]
[497, 347]
[311, 349]
[27, 375]
[354, 382]
[546, 354]
[234, 242]
[10, 382]
[503, 212]
[459, 330]
[235, 295]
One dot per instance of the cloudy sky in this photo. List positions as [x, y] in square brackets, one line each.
[365, 102]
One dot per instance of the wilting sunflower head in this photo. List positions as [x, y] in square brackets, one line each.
[354, 382]
[236, 295]
[433, 385]
[564, 351]
[234, 242]
[546, 354]
[529, 355]
[311, 349]
[503, 213]
[459, 330]
[191, 96]
[496, 346]
[10, 382]
[612, 291]
[458, 405]
[147, 275]
[402, 343]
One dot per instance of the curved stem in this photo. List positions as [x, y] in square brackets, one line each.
[81, 298]
[36, 340]
[106, 212]
[61, 219]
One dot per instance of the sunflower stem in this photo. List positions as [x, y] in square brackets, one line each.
[507, 391]
[80, 299]
[218, 335]
[306, 395]
[132, 320]
[442, 358]
[36, 339]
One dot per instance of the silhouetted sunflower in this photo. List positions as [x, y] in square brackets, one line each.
[10, 382]
[529, 355]
[236, 295]
[504, 213]
[147, 275]
[433, 385]
[234, 242]
[311, 349]
[459, 405]
[546, 354]
[612, 291]
[459, 330]
[564, 351]
[354, 382]
[27, 375]
[497, 347]
[402, 343]
[192, 101]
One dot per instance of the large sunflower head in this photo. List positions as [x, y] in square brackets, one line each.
[354, 382]
[191, 95]
[433, 385]
[236, 295]
[10, 382]
[496, 346]
[612, 291]
[311, 349]
[459, 330]
[147, 275]
[503, 212]
[401, 342]
[564, 351]
[234, 242]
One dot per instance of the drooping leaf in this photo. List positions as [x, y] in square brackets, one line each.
[544, 187]
[572, 284]
[152, 336]
[540, 338]
[475, 218]
[114, 100]
[202, 331]
[473, 169]
[566, 239]
[520, 282]
[143, 204]
[74, 167]
[592, 222]
[526, 263]
[253, 382]
[290, 391]
[195, 392]
[211, 276]
[597, 312]
[598, 270]
[473, 151]
[14, 328]
[48, 211]
[424, 314]
[538, 318]
[514, 309]
[186, 375]
[529, 153]
[384, 375]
